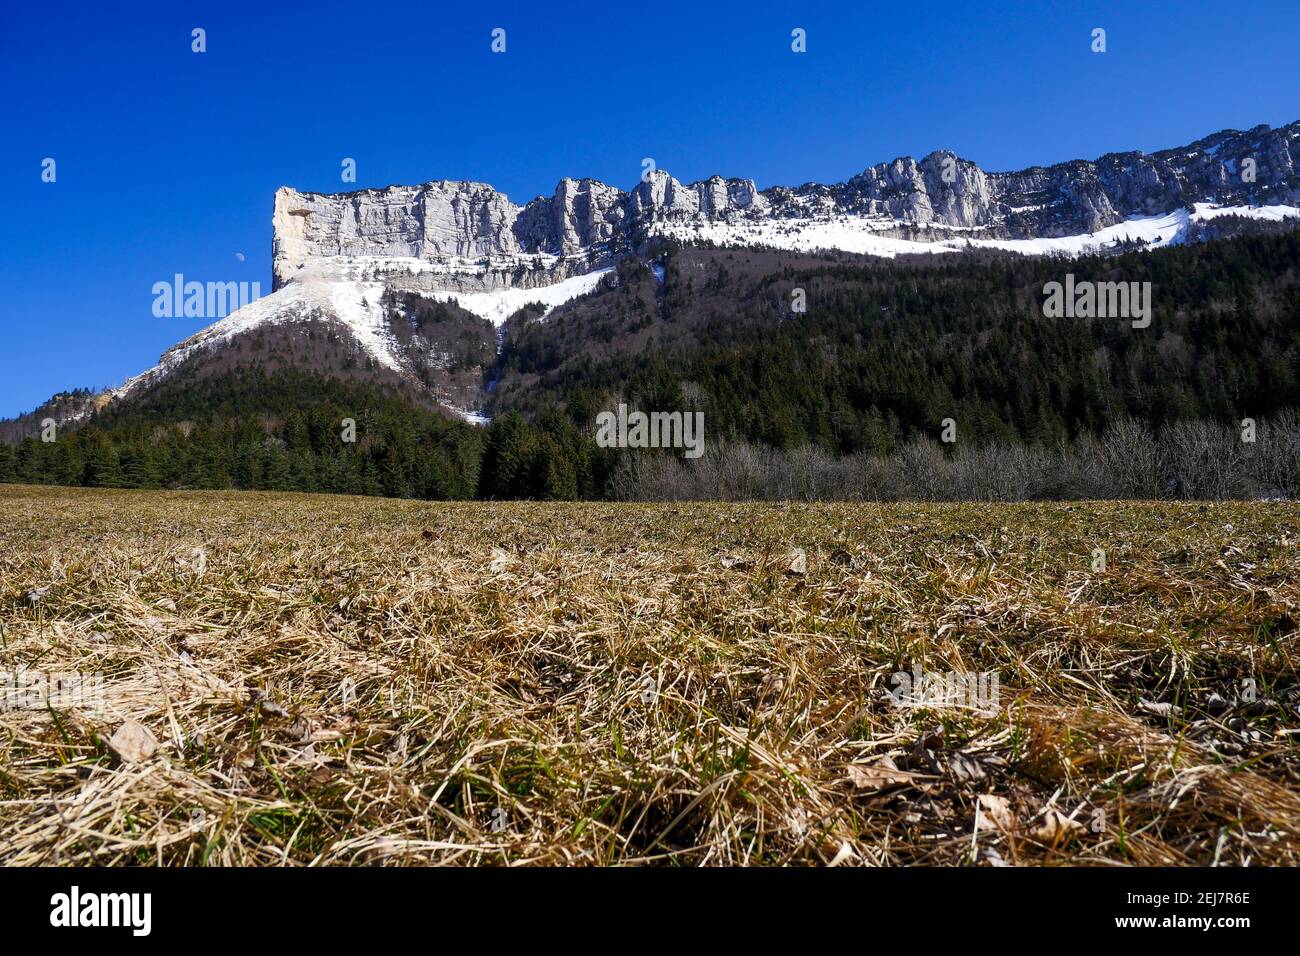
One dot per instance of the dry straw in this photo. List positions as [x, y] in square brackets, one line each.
[338, 681]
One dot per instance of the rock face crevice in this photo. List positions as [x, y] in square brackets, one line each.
[452, 224]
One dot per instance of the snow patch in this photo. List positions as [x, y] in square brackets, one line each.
[499, 305]
[1205, 211]
[468, 415]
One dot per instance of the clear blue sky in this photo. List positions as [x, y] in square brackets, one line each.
[167, 159]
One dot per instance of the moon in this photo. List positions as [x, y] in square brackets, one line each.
[239, 256]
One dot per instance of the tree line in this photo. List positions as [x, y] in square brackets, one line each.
[297, 431]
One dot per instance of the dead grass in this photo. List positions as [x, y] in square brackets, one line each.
[359, 681]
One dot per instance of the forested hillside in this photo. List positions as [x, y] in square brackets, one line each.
[246, 428]
[887, 350]
[882, 354]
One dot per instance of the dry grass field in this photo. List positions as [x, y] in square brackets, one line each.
[329, 680]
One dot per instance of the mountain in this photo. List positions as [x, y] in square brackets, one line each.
[469, 237]
[453, 299]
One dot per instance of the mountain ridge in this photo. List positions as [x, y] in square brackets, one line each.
[587, 220]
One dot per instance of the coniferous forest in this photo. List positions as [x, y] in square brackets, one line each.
[882, 355]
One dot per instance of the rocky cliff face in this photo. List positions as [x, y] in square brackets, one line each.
[436, 221]
[1068, 198]
[715, 198]
[455, 224]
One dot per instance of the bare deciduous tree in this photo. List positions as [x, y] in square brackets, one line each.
[1193, 459]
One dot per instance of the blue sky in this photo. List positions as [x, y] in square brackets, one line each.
[167, 160]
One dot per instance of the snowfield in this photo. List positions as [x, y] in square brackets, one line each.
[862, 235]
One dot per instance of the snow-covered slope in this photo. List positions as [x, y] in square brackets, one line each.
[866, 236]
[318, 293]
[1206, 211]
[498, 306]
[348, 292]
